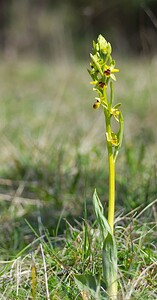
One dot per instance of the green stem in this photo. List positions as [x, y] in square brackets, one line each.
[112, 288]
[111, 205]
[112, 291]
[111, 161]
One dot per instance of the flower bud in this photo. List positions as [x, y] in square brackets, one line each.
[96, 105]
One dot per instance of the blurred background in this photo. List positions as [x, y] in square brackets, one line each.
[59, 28]
[52, 143]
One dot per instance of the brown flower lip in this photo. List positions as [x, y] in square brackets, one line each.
[101, 84]
[107, 72]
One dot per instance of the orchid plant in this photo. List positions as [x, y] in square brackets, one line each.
[103, 74]
[102, 71]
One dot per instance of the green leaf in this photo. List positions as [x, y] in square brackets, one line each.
[99, 212]
[95, 60]
[117, 105]
[119, 134]
[109, 259]
[92, 74]
[109, 253]
[89, 284]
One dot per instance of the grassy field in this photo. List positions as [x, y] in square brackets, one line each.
[53, 156]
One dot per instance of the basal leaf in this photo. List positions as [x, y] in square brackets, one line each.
[88, 284]
[99, 212]
[109, 257]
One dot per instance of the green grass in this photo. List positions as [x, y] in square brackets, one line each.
[53, 155]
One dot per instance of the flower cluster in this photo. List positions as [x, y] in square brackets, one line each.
[102, 71]
[102, 68]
